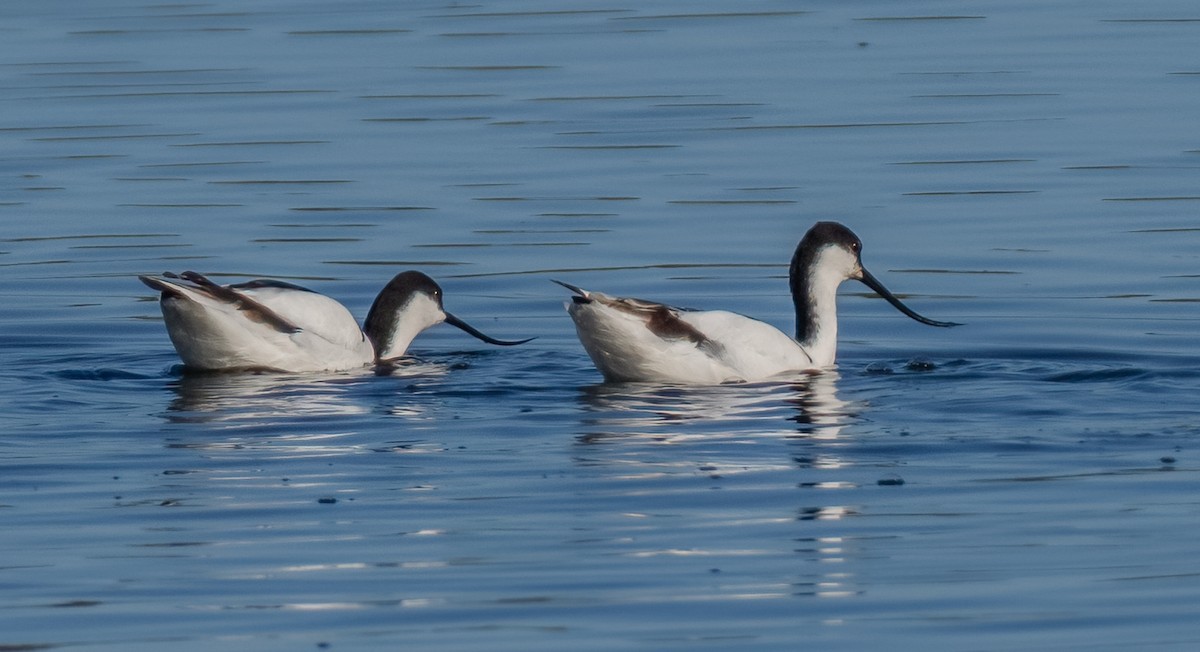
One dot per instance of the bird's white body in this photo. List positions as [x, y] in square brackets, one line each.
[209, 333]
[277, 326]
[624, 349]
[635, 340]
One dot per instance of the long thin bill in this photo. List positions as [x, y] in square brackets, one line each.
[873, 283]
[455, 321]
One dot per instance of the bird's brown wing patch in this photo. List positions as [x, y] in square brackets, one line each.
[662, 320]
[665, 322]
[253, 310]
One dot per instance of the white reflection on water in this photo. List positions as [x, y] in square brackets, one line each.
[211, 397]
[749, 440]
[724, 431]
[248, 396]
[285, 416]
[662, 414]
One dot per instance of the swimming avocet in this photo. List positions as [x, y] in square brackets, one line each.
[635, 340]
[265, 324]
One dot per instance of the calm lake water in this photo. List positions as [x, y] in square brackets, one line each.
[1027, 481]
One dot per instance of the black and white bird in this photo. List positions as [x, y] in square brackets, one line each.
[635, 340]
[273, 325]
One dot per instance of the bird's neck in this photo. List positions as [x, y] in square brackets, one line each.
[386, 330]
[389, 337]
[814, 293]
[395, 319]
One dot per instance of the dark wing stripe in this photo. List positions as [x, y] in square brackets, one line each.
[665, 322]
[260, 283]
[254, 310]
[662, 320]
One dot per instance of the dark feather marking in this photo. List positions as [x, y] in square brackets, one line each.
[669, 320]
[254, 310]
[260, 283]
[580, 295]
[662, 320]
[162, 286]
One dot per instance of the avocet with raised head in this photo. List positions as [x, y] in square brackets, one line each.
[272, 325]
[636, 340]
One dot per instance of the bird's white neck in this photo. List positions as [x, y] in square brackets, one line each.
[814, 277]
[392, 326]
[396, 345]
[816, 316]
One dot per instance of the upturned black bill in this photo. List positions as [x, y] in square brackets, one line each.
[873, 283]
[455, 321]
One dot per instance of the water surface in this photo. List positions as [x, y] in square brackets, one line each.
[1026, 481]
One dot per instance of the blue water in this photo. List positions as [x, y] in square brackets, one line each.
[1027, 481]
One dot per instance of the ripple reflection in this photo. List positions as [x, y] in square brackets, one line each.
[214, 397]
[670, 413]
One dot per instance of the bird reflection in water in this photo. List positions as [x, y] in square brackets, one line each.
[223, 396]
[672, 413]
[784, 438]
[209, 397]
